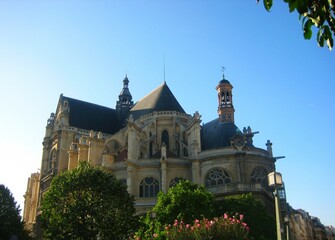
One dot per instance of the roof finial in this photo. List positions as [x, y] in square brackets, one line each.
[164, 68]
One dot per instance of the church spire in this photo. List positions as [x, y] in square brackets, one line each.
[125, 99]
[225, 98]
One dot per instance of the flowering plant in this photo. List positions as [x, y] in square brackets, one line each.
[218, 228]
[221, 228]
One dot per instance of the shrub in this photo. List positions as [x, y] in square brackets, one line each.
[221, 228]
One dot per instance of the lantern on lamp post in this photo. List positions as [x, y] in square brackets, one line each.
[276, 181]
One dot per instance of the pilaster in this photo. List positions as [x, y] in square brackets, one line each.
[163, 163]
[73, 156]
[131, 177]
[196, 174]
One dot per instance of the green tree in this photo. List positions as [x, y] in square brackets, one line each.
[318, 13]
[11, 223]
[186, 201]
[262, 225]
[86, 203]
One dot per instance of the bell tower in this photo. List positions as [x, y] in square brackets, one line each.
[225, 97]
[125, 99]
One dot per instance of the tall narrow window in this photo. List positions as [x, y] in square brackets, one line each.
[52, 160]
[151, 149]
[185, 152]
[165, 139]
[228, 98]
[223, 99]
[177, 148]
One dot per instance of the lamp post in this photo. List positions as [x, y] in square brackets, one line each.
[275, 180]
[287, 221]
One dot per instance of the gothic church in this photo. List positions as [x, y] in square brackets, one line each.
[151, 145]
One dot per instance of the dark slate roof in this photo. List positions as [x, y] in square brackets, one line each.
[216, 134]
[160, 99]
[92, 117]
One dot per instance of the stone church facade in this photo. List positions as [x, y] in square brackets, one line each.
[152, 144]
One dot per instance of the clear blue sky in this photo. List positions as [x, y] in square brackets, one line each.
[283, 85]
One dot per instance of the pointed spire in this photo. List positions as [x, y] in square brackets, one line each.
[125, 99]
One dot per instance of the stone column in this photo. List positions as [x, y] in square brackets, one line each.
[96, 147]
[196, 178]
[73, 156]
[163, 174]
[131, 178]
[133, 142]
[83, 152]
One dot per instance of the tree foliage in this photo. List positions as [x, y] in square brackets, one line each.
[10, 219]
[318, 13]
[261, 224]
[86, 203]
[186, 201]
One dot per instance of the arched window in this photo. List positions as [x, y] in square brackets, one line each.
[216, 177]
[175, 181]
[165, 139]
[223, 99]
[228, 98]
[184, 137]
[260, 175]
[149, 187]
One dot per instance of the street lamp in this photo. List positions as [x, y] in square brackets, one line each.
[275, 180]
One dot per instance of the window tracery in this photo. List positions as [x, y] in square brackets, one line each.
[216, 177]
[52, 159]
[260, 175]
[149, 187]
[175, 181]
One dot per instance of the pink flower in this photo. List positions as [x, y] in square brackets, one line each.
[187, 226]
[225, 216]
[241, 216]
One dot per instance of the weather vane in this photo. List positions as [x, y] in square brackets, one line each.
[223, 69]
